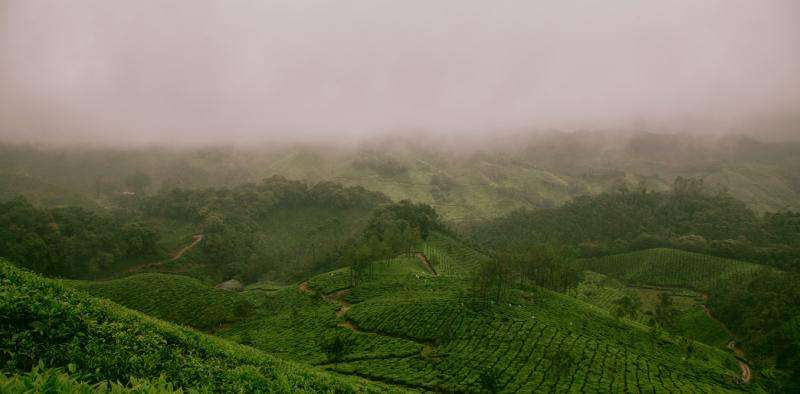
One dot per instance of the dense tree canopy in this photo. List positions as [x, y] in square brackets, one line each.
[72, 242]
[688, 217]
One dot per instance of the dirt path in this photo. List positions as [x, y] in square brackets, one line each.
[424, 259]
[738, 353]
[175, 256]
[336, 298]
[195, 240]
[740, 359]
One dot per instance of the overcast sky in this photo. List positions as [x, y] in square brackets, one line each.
[233, 70]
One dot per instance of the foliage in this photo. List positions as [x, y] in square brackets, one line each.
[689, 217]
[42, 380]
[72, 242]
[336, 346]
[277, 229]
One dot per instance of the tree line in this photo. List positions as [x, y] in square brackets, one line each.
[689, 217]
[70, 242]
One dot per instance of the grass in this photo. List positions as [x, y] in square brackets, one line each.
[176, 298]
[42, 322]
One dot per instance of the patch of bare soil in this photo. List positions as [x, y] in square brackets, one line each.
[303, 287]
[336, 298]
[424, 259]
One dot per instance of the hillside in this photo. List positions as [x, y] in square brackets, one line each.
[670, 267]
[464, 179]
[41, 192]
[756, 303]
[175, 298]
[402, 323]
[41, 321]
[690, 319]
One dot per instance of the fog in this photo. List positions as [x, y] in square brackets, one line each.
[235, 71]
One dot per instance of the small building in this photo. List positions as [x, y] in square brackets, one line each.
[230, 285]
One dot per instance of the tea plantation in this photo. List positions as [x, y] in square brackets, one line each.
[45, 325]
[409, 327]
[176, 298]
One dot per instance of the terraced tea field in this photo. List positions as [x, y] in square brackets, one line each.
[692, 320]
[670, 267]
[176, 298]
[413, 329]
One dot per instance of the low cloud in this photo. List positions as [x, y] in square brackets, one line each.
[201, 70]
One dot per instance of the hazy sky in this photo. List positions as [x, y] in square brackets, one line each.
[234, 69]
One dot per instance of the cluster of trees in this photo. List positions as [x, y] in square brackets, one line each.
[760, 312]
[256, 201]
[689, 217]
[69, 242]
[540, 265]
[234, 222]
[392, 230]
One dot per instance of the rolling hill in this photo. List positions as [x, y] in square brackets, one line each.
[417, 328]
[45, 324]
[175, 298]
[671, 267]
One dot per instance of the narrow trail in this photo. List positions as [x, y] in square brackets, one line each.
[740, 359]
[333, 298]
[737, 352]
[424, 259]
[195, 240]
[336, 298]
[344, 306]
[175, 256]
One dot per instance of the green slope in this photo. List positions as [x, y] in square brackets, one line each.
[176, 298]
[42, 321]
[289, 244]
[670, 267]
[691, 321]
[412, 328]
[40, 192]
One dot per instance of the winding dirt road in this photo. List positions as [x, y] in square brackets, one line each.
[740, 359]
[737, 352]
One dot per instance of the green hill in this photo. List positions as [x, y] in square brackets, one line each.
[176, 298]
[691, 320]
[403, 324]
[671, 267]
[40, 192]
[758, 304]
[44, 322]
